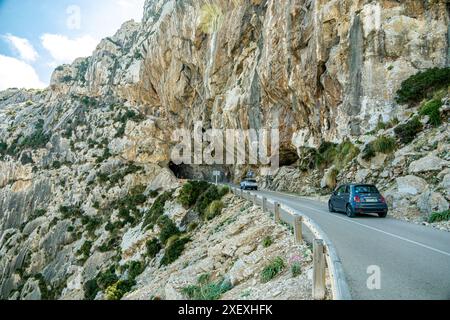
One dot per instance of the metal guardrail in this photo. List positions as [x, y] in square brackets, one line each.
[325, 255]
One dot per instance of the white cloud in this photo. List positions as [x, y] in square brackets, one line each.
[114, 14]
[23, 47]
[65, 50]
[18, 74]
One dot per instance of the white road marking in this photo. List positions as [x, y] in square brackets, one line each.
[378, 230]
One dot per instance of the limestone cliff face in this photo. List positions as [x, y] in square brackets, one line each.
[322, 70]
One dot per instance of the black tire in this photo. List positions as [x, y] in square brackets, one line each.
[330, 207]
[382, 215]
[350, 212]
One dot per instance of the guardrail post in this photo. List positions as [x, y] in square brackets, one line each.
[264, 204]
[298, 230]
[277, 212]
[319, 270]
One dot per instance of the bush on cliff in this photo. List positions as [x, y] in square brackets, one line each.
[432, 110]
[406, 133]
[206, 199]
[214, 210]
[153, 247]
[168, 229]
[174, 250]
[382, 144]
[207, 290]
[191, 191]
[423, 84]
[157, 210]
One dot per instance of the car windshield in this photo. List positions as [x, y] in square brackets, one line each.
[251, 180]
[366, 189]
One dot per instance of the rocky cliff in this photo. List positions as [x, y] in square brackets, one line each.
[94, 146]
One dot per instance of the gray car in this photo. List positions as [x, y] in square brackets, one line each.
[249, 184]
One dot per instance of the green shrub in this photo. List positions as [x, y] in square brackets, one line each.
[421, 85]
[206, 199]
[69, 212]
[192, 226]
[153, 247]
[91, 289]
[135, 268]
[168, 229]
[432, 109]
[267, 242]
[406, 133]
[157, 210]
[174, 250]
[119, 289]
[207, 290]
[330, 154]
[191, 191]
[382, 144]
[214, 210]
[38, 213]
[296, 269]
[273, 269]
[153, 194]
[439, 216]
[386, 125]
[107, 278]
[37, 140]
[91, 224]
[85, 251]
[3, 148]
[224, 191]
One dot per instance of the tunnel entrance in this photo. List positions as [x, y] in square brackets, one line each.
[202, 172]
[288, 156]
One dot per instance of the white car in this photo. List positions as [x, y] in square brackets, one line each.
[249, 184]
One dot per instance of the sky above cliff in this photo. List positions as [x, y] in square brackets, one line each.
[38, 35]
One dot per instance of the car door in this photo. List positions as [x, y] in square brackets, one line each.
[340, 199]
[345, 197]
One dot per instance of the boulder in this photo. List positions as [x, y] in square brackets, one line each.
[165, 180]
[427, 164]
[329, 178]
[430, 202]
[446, 184]
[362, 175]
[411, 185]
[376, 163]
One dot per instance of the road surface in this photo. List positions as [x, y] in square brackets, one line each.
[414, 260]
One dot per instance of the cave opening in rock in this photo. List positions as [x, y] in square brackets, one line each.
[201, 172]
[288, 156]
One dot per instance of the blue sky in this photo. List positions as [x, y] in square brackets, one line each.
[38, 35]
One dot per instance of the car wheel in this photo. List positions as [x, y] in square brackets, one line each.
[382, 215]
[350, 212]
[330, 207]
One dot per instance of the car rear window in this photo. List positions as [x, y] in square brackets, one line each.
[366, 189]
[251, 180]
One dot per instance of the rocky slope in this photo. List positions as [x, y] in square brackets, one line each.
[81, 160]
[237, 246]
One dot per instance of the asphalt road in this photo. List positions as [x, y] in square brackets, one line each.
[413, 260]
